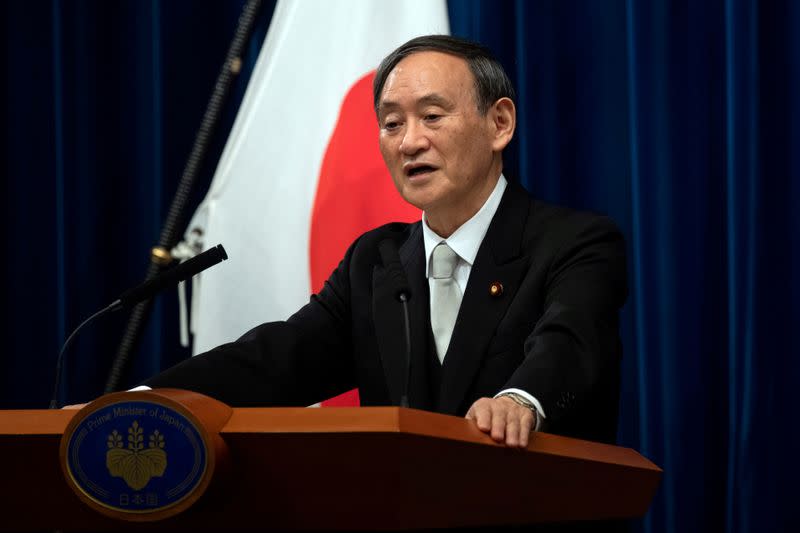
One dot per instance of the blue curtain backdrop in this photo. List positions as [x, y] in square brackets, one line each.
[677, 118]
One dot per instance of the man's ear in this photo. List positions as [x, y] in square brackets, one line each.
[503, 117]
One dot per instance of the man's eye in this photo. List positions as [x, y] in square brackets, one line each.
[432, 117]
[391, 125]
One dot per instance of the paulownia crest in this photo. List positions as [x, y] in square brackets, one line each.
[136, 464]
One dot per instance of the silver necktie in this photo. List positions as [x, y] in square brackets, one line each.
[445, 297]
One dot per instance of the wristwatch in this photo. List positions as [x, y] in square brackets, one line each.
[524, 402]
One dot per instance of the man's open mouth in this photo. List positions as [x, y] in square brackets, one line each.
[422, 169]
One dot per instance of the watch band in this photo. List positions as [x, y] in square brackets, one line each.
[524, 402]
[521, 400]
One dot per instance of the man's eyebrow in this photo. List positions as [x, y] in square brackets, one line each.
[435, 99]
[429, 99]
[386, 105]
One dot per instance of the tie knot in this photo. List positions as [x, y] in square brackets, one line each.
[444, 261]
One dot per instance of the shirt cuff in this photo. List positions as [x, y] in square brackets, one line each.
[534, 401]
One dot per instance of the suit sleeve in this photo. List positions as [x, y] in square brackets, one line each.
[301, 361]
[572, 356]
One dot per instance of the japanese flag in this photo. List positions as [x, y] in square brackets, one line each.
[301, 175]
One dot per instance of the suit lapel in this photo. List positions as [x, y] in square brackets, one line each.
[389, 321]
[498, 260]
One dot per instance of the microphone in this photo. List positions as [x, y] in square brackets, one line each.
[401, 290]
[397, 274]
[142, 292]
[170, 277]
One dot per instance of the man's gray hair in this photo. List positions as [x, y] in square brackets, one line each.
[491, 80]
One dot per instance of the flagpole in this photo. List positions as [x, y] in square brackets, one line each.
[171, 231]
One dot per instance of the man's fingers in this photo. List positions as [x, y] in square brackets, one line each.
[498, 424]
[504, 420]
[512, 430]
[525, 427]
[481, 413]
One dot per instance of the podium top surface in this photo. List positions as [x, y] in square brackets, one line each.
[350, 421]
[381, 468]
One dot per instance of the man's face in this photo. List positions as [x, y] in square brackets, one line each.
[439, 149]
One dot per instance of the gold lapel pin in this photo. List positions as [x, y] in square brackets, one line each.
[496, 289]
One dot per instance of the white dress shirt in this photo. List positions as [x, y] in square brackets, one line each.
[465, 242]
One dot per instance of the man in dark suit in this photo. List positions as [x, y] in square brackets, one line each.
[515, 303]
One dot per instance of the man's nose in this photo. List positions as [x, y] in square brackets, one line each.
[415, 139]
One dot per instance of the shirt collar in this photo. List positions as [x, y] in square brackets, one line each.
[466, 240]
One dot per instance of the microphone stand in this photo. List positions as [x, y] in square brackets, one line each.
[404, 297]
[59, 362]
[170, 233]
[142, 293]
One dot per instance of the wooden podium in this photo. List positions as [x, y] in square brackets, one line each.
[344, 469]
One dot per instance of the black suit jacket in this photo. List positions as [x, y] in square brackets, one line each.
[553, 331]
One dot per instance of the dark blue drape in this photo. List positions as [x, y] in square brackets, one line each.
[103, 102]
[677, 118]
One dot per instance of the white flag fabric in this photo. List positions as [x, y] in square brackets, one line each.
[297, 179]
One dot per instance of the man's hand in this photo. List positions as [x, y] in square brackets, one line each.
[504, 419]
[75, 406]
